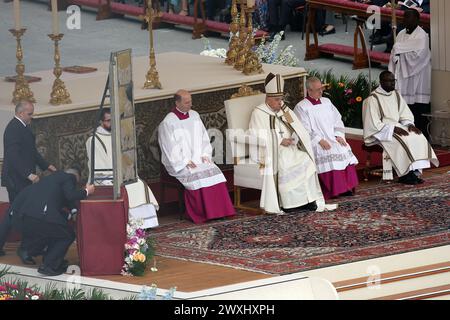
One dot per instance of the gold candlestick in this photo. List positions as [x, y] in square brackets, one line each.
[242, 48]
[152, 77]
[252, 63]
[21, 89]
[59, 94]
[234, 28]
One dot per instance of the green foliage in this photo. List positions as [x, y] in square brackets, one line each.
[346, 94]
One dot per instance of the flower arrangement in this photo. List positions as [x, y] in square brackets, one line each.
[270, 54]
[210, 52]
[18, 291]
[139, 249]
[346, 94]
[150, 293]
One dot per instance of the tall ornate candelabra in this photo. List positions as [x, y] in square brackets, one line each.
[59, 94]
[152, 77]
[252, 63]
[21, 89]
[242, 47]
[234, 28]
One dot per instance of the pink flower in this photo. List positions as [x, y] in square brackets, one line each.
[348, 91]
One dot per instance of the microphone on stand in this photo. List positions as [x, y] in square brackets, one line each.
[363, 21]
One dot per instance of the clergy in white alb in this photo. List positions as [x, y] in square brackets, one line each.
[334, 158]
[186, 153]
[290, 179]
[410, 62]
[102, 150]
[387, 121]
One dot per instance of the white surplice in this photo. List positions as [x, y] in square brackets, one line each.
[103, 156]
[382, 112]
[323, 121]
[142, 204]
[289, 173]
[410, 62]
[187, 140]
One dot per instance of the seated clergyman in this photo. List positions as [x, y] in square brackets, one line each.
[388, 121]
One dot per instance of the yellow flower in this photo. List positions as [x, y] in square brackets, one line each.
[341, 85]
[136, 257]
[358, 99]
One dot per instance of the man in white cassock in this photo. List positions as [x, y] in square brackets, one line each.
[102, 150]
[334, 158]
[387, 121]
[186, 153]
[141, 201]
[411, 64]
[290, 179]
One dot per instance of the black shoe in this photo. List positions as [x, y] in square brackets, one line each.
[2, 253]
[23, 255]
[63, 266]
[410, 179]
[312, 206]
[45, 270]
[348, 194]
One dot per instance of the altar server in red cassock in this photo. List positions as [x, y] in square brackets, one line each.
[186, 153]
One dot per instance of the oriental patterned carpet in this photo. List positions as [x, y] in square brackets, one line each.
[381, 220]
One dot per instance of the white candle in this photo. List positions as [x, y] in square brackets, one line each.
[55, 21]
[16, 14]
[250, 3]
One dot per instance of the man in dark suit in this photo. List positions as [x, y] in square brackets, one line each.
[39, 212]
[20, 158]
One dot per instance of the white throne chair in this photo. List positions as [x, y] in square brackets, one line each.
[246, 172]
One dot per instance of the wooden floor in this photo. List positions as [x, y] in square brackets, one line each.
[186, 276]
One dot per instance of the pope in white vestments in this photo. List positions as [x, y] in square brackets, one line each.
[290, 177]
[334, 158]
[387, 121]
[410, 62]
[186, 153]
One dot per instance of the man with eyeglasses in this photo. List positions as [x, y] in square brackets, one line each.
[334, 157]
[102, 150]
[290, 181]
[20, 158]
[388, 121]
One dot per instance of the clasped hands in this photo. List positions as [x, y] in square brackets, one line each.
[327, 146]
[192, 165]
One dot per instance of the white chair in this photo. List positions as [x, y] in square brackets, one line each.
[246, 172]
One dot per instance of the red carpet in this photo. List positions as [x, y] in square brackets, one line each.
[379, 221]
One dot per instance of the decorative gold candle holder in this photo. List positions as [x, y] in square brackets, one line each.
[234, 42]
[242, 48]
[152, 77]
[21, 89]
[59, 94]
[252, 64]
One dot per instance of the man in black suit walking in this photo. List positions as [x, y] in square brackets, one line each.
[20, 158]
[38, 210]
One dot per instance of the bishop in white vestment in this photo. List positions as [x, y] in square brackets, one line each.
[410, 62]
[290, 177]
[186, 153]
[334, 158]
[388, 121]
